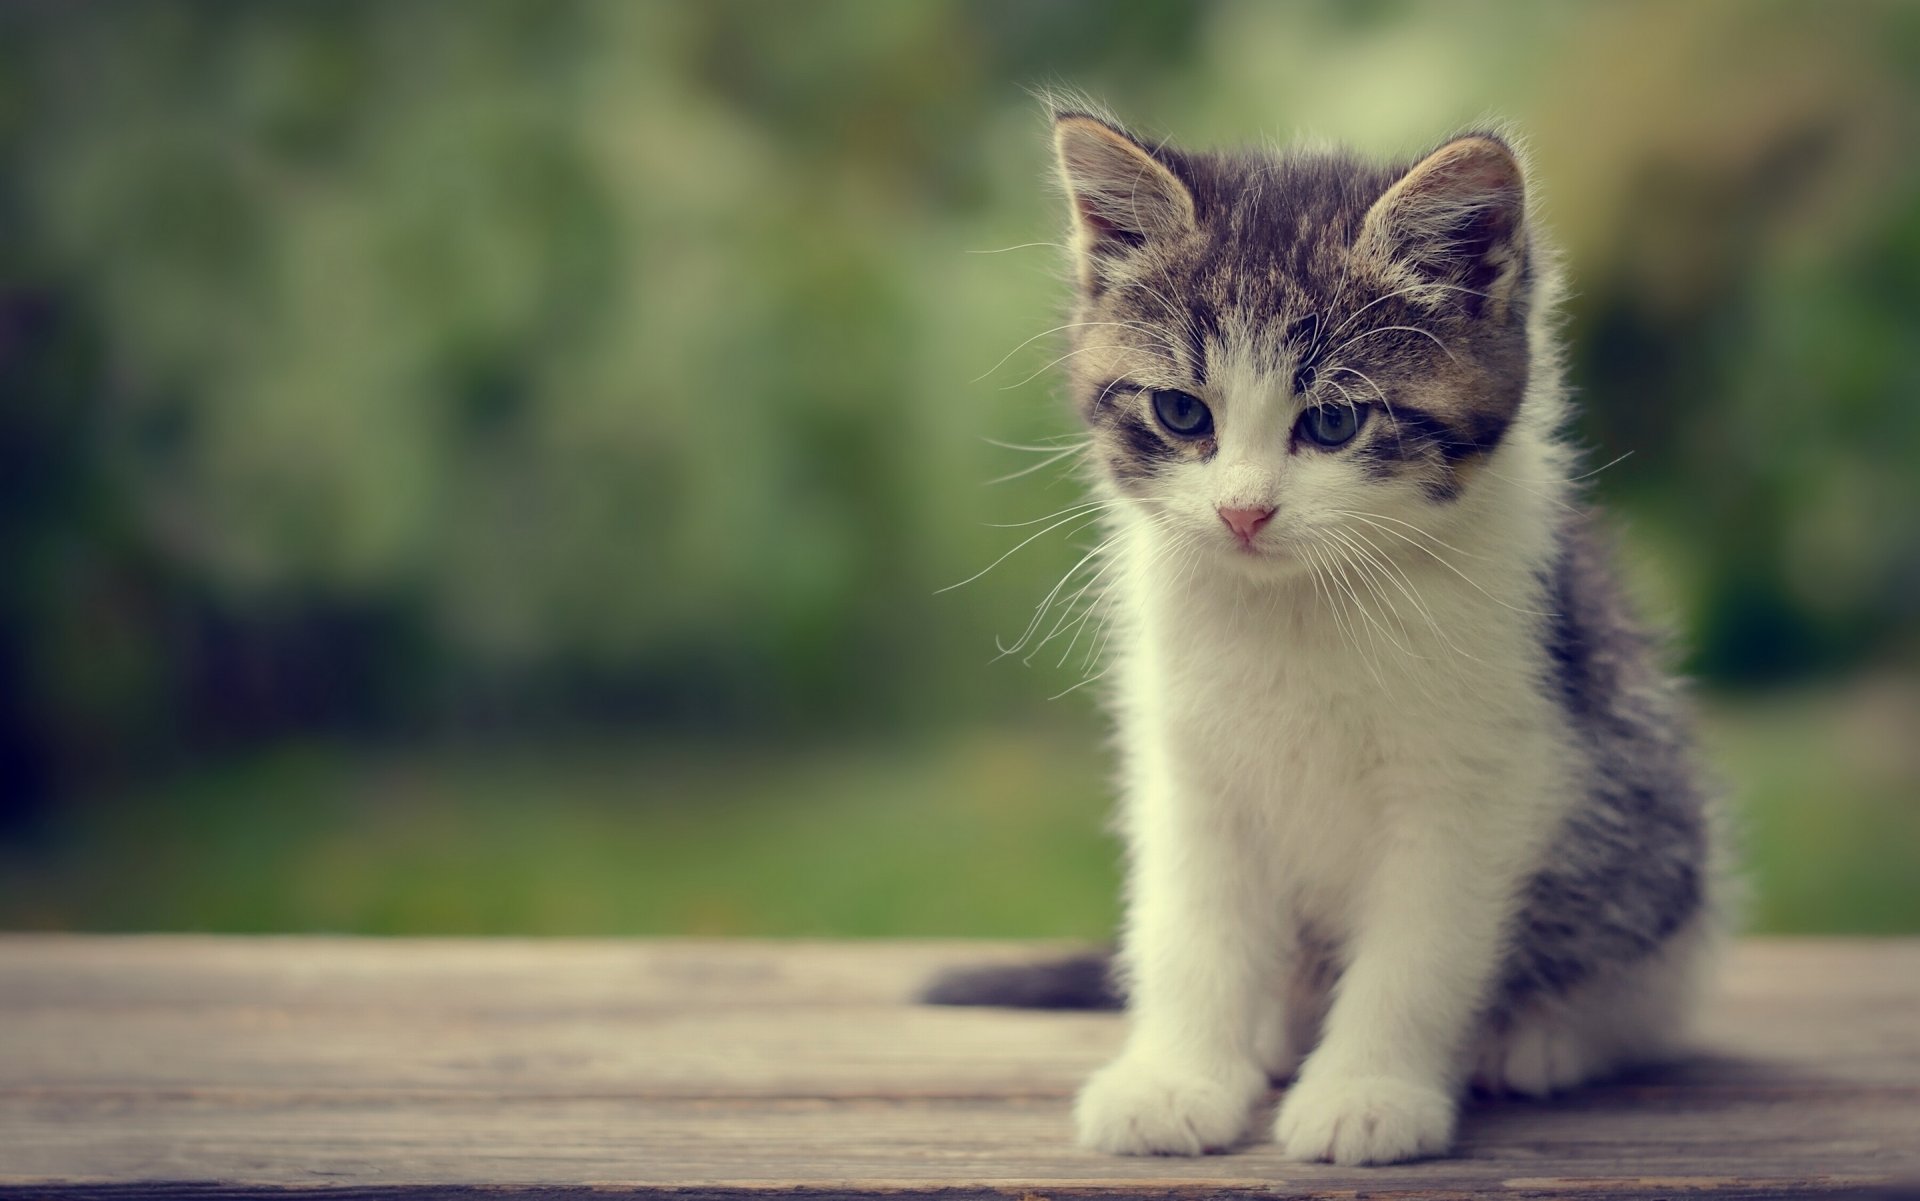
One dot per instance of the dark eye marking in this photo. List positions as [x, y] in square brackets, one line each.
[1108, 392]
[1419, 430]
[1331, 426]
[1437, 443]
[1141, 448]
[1182, 414]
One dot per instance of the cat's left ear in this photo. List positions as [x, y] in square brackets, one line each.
[1455, 225]
[1124, 197]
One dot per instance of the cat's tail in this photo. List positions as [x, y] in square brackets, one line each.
[1082, 981]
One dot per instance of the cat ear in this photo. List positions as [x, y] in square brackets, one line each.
[1122, 195]
[1455, 223]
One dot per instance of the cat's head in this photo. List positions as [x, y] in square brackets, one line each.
[1273, 352]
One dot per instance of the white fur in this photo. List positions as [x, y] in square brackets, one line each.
[1371, 762]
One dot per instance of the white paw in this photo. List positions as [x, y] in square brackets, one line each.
[1537, 1058]
[1365, 1119]
[1141, 1106]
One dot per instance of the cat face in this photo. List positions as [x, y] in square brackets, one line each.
[1278, 354]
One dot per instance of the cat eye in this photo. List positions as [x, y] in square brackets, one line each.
[1332, 425]
[1184, 415]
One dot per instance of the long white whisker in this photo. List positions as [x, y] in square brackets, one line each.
[1370, 518]
[1079, 628]
[1525, 485]
[1067, 617]
[1046, 447]
[1021, 246]
[1371, 578]
[1042, 465]
[1394, 574]
[1078, 350]
[1613, 462]
[1347, 560]
[1346, 627]
[1351, 317]
[1382, 329]
[1398, 576]
[1442, 560]
[1046, 602]
[1082, 507]
[1081, 517]
[1043, 333]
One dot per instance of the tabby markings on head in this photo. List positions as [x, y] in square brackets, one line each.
[1399, 290]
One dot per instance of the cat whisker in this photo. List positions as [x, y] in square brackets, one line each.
[1082, 517]
[1345, 559]
[1096, 653]
[1371, 578]
[1523, 485]
[1022, 246]
[1067, 619]
[1613, 462]
[1055, 330]
[1375, 517]
[1345, 395]
[1178, 315]
[1397, 575]
[1078, 350]
[1046, 603]
[1382, 329]
[1399, 578]
[1045, 447]
[1318, 554]
[1083, 507]
[1442, 560]
[1079, 627]
[1082, 684]
[1419, 287]
[1379, 393]
[1042, 465]
[1423, 681]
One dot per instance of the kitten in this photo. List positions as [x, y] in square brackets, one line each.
[1409, 802]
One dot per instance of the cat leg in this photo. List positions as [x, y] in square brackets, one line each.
[1201, 965]
[1382, 1085]
[1627, 1017]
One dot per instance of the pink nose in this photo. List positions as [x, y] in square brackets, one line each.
[1245, 522]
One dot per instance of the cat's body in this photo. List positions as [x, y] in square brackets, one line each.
[1407, 798]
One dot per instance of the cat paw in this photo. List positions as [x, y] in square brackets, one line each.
[1140, 1106]
[1363, 1120]
[1537, 1058]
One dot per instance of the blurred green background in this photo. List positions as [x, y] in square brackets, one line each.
[488, 467]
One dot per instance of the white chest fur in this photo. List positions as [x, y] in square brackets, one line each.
[1299, 724]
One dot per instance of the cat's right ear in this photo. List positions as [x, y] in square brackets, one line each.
[1123, 197]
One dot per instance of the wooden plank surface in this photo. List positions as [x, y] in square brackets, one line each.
[182, 1066]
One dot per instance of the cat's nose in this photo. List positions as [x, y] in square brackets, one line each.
[1245, 522]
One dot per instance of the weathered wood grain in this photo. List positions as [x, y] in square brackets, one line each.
[241, 1067]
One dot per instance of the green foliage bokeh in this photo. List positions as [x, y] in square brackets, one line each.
[387, 371]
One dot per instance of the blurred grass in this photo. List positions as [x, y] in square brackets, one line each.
[1827, 792]
[989, 832]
